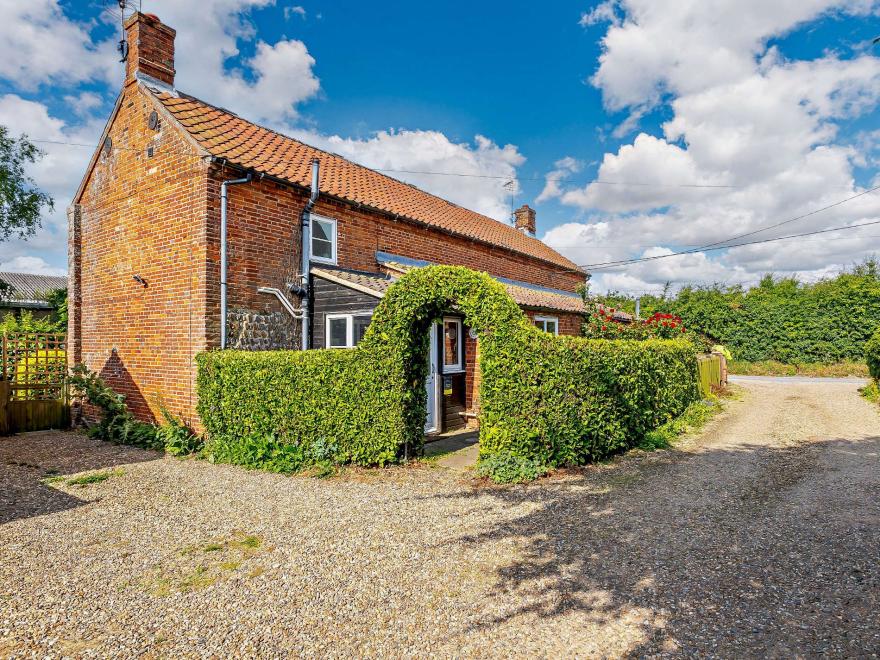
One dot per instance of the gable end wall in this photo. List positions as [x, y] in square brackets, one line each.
[141, 215]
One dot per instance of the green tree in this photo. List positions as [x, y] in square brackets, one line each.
[21, 202]
[58, 299]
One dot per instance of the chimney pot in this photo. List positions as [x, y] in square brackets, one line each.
[524, 219]
[150, 49]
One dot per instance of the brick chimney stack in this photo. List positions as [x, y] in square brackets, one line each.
[524, 219]
[150, 48]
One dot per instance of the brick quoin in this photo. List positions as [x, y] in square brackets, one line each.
[149, 206]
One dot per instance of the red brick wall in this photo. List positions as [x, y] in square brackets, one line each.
[569, 324]
[361, 233]
[145, 216]
[263, 239]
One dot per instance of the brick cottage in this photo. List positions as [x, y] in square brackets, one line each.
[151, 237]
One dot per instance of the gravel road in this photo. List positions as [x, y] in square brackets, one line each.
[760, 538]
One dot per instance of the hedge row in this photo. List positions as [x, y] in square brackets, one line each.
[569, 400]
[555, 400]
[786, 320]
[872, 355]
[352, 401]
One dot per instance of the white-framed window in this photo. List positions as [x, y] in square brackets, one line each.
[323, 244]
[547, 324]
[453, 346]
[345, 330]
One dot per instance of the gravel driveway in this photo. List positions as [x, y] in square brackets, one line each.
[761, 538]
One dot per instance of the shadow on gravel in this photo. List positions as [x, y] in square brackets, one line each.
[27, 459]
[746, 551]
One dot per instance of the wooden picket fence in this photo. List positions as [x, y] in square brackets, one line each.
[33, 389]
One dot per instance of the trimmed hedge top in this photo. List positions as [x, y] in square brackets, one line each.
[555, 400]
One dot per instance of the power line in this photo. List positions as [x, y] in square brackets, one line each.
[800, 217]
[600, 182]
[729, 247]
[600, 246]
[717, 245]
[506, 178]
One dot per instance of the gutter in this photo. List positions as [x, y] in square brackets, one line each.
[558, 268]
[223, 265]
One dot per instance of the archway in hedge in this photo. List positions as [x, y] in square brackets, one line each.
[546, 399]
[401, 324]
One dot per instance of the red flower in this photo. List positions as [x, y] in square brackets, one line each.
[682, 328]
[604, 328]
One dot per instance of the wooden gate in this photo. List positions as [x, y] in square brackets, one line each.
[33, 390]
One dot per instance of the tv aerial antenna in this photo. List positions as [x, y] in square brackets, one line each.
[510, 187]
[122, 46]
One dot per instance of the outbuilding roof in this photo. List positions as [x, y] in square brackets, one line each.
[376, 284]
[225, 135]
[31, 289]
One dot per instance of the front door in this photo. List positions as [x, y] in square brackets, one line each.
[432, 384]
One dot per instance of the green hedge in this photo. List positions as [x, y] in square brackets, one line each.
[872, 355]
[555, 400]
[780, 319]
[350, 400]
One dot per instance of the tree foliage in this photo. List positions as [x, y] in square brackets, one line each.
[21, 202]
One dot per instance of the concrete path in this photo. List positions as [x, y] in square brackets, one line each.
[782, 380]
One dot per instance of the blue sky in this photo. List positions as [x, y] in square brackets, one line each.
[775, 101]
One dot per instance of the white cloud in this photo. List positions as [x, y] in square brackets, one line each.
[57, 173]
[269, 85]
[680, 48]
[742, 116]
[296, 10]
[40, 45]
[35, 265]
[563, 168]
[410, 152]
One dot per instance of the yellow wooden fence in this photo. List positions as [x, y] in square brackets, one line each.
[33, 389]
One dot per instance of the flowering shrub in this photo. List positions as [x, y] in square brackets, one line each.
[602, 324]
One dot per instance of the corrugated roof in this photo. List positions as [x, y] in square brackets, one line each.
[27, 287]
[225, 135]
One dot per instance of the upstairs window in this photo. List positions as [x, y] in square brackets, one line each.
[547, 324]
[323, 239]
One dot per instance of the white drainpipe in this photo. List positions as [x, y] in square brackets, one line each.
[306, 250]
[223, 265]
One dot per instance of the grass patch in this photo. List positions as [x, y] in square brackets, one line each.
[695, 417]
[871, 392]
[813, 369]
[85, 479]
[204, 564]
[198, 579]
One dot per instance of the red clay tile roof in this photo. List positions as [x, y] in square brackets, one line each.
[225, 135]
